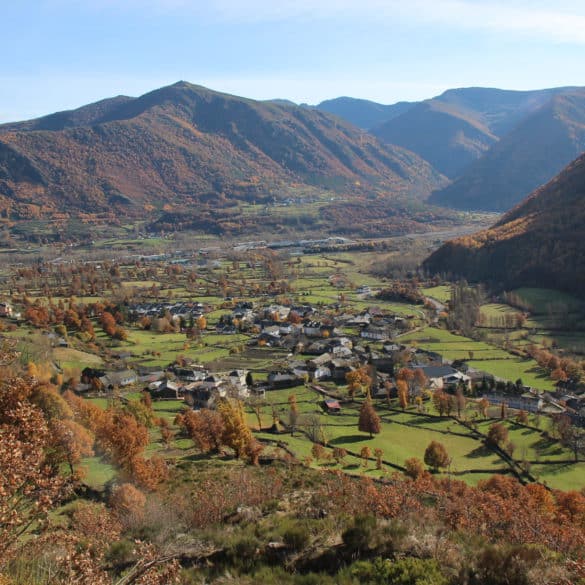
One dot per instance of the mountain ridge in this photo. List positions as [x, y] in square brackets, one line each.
[538, 148]
[453, 130]
[183, 142]
[538, 242]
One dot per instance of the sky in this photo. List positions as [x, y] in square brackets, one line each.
[61, 54]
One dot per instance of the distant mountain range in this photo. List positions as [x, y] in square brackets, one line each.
[497, 145]
[541, 242]
[184, 144]
[363, 113]
[535, 150]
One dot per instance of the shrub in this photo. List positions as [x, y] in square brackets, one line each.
[296, 537]
[358, 536]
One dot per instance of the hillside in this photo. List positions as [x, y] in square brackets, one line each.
[364, 114]
[183, 144]
[538, 243]
[530, 155]
[458, 127]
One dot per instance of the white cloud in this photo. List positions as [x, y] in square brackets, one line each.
[561, 20]
[553, 20]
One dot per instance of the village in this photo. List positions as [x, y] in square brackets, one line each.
[302, 341]
[318, 350]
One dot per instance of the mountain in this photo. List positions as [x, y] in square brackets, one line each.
[364, 114]
[541, 242]
[184, 144]
[453, 130]
[528, 156]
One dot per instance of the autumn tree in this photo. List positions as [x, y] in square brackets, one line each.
[414, 468]
[358, 379]
[497, 435]
[483, 406]
[128, 501]
[122, 438]
[204, 427]
[365, 454]
[73, 441]
[339, 454]
[369, 421]
[166, 433]
[318, 451]
[236, 433]
[443, 402]
[293, 413]
[402, 389]
[436, 456]
[570, 435]
[378, 454]
[460, 401]
[30, 482]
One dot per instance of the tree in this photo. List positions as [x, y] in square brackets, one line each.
[128, 501]
[483, 406]
[166, 434]
[365, 454]
[497, 435]
[358, 379]
[30, 482]
[460, 401]
[413, 468]
[443, 402]
[318, 451]
[204, 427]
[293, 414]
[378, 454]
[369, 421]
[201, 323]
[339, 454]
[122, 438]
[570, 435]
[402, 388]
[236, 433]
[73, 441]
[436, 456]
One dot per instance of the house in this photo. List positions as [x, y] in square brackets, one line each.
[339, 369]
[202, 397]
[320, 360]
[278, 380]
[151, 377]
[527, 402]
[119, 379]
[332, 406]
[317, 329]
[444, 377]
[167, 390]
[190, 374]
[376, 333]
[5, 310]
[383, 364]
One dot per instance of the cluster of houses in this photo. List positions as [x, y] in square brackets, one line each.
[318, 350]
[194, 384]
[179, 310]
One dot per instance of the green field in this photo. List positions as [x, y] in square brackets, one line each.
[481, 356]
[514, 368]
[440, 293]
[543, 300]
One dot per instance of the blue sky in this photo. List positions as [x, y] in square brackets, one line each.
[61, 54]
